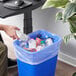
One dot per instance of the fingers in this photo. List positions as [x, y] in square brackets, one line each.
[15, 36]
[17, 28]
[11, 31]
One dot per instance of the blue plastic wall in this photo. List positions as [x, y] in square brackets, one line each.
[46, 68]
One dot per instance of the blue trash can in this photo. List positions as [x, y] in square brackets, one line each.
[41, 63]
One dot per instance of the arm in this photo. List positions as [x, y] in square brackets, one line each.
[10, 30]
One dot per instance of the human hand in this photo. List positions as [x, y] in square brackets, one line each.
[11, 31]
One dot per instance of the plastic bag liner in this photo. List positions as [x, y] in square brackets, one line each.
[44, 54]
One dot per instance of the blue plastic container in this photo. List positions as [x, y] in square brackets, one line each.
[41, 63]
[46, 68]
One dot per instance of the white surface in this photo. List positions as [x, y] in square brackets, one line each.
[67, 59]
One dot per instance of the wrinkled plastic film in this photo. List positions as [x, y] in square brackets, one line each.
[35, 58]
[22, 36]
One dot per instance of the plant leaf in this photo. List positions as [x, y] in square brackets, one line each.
[73, 1]
[55, 3]
[69, 11]
[72, 22]
[68, 37]
[74, 74]
[59, 16]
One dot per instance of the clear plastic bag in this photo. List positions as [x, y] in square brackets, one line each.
[46, 53]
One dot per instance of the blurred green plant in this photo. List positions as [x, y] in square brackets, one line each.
[74, 74]
[67, 15]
